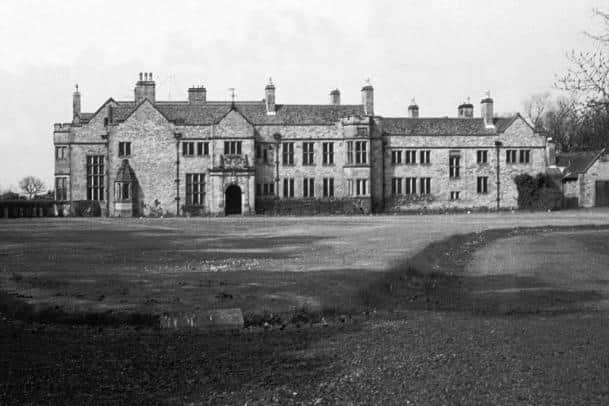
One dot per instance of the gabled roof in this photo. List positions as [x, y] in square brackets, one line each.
[576, 163]
[86, 117]
[125, 173]
[184, 113]
[445, 126]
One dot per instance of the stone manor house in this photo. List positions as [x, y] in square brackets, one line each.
[241, 157]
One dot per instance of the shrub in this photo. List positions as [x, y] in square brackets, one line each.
[193, 210]
[538, 193]
[86, 208]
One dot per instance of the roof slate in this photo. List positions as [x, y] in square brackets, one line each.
[444, 126]
[212, 112]
[576, 162]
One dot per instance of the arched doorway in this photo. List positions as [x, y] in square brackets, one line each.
[232, 203]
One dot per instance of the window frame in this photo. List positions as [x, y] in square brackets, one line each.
[63, 190]
[287, 153]
[328, 187]
[482, 185]
[195, 189]
[124, 149]
[308, 153]
[95, 169]
[327, 153]
[454, 168]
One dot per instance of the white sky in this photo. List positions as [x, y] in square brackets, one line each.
[439, 53]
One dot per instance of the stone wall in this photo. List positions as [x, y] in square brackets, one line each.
[599, 171]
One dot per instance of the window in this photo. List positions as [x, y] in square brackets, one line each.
[60, 153]
[396, 157]
[61, 188]
[362, 132]
[258, 189]
[424, 157]
[525, 156]
[308, 187]
[328, 187]
[361, 157]
[288, 153]
[454, 195]
[266, 155]
[202, 148]
[454, 162]
[124, 149]
[349, 152]
[122, 191]
[396, 186]
[350, 187]
[195, 189]
[268, 189]
[95, 177]
[307, 153]
[188, 148]
[258, 151]
[425, 186]
[410, 186]
[482, 184]
[360, 187]
[510, 156]
[232, 147]
[482, 157]
[410, 157]
[328, 153]
[288, 187]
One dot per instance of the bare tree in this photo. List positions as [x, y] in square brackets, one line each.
[588, 76]
[535, 108]
[31, 186]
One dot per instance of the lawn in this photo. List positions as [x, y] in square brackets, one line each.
[445, 310]
[257, 264]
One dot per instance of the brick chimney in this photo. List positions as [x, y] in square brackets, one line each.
[145, 88]
[76, 105]
[269, 97]
[368, 99]
[335, 97]
[197, 95]
[413, 109]
[486, 110]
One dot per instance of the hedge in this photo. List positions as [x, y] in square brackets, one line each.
[538, 193]
[48, 208]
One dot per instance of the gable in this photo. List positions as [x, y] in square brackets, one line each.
[519, 133]
[145, 114]
[233, 125]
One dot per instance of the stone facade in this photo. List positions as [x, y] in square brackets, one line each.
[208, 157]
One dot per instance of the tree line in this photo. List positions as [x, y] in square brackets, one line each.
[578, 118]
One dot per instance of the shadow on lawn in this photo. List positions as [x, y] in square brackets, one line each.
[435, 280]
[75, 365]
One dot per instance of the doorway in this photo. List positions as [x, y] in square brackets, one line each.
[232, 203]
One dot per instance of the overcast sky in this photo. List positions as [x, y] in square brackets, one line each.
[439, 53]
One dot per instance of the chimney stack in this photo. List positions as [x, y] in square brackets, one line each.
[197, 95]
[269, 97]
[368, 98]
[413, 109]
[550, 152]
[335, 97]
[465, 110]
[486, 109]
[76, 105]
[145, 88]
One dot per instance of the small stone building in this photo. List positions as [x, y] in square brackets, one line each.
[585, 177]
[145, 156]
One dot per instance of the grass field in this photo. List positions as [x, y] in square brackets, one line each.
[514, 316]
[257, 264]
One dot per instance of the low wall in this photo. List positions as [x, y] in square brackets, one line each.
[275, 206]
[48, 208]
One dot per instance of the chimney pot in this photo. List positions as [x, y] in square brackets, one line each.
[486, 110]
